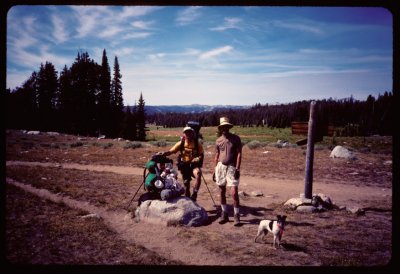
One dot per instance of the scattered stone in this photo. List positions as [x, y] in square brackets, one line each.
[342, 152]
[356, 210]
[320, 202]
[92, 215]
[256, 193]
[33, 132]
[306, 209]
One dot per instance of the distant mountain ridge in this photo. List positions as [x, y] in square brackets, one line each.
[194, 108]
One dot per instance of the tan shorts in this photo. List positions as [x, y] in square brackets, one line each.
[225, 175]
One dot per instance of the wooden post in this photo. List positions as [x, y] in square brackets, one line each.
[308, 180]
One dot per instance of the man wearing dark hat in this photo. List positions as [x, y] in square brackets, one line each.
[228, 157]
[191, 157]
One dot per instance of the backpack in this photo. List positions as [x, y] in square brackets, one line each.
[196, 127]
[153, 182]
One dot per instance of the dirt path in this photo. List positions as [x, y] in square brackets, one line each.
[192, 250]
[274, 190]
[148, 236]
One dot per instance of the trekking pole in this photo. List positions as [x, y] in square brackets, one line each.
[134, 196]
[208, 188]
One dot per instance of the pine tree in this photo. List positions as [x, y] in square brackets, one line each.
[84, 87]
[46, 97]
[141, 119]
[104, 98]
[117, 87]
[22, 105]
[129, 131]
[117, 103]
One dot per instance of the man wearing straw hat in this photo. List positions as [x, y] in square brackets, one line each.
[228, 157]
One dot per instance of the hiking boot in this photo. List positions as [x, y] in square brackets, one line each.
[224, 218]
[194, 196]
[236, 220]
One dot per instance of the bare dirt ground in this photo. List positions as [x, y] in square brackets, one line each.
[66, 200]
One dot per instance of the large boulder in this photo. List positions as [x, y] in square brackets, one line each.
[176, 211]
[342, 152]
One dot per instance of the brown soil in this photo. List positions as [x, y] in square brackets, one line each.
[53, 181]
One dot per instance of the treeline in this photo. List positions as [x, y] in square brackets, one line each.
[83, 100]
[364, 118]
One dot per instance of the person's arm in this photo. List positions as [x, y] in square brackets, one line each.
[215, 161]
[173, 150]
[239, 157]
[216, 156]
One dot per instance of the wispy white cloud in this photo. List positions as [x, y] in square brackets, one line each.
[87, 19]
[131, 11]
[298, 26]
[188, 15]
[215, 52]
[60, 33]
[229, 23]
[123, 51]
[136, 35]
[156, 56]
[110, 31]
[143, 25]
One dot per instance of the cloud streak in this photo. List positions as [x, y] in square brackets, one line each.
[229, 23]
[188, 15]
[215, 52]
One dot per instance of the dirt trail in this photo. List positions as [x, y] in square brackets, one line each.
[189, 250]
[148, 236]
[274, 190]
[100, 168]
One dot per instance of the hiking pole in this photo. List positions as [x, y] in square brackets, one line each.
[134, 196]
[208, 188]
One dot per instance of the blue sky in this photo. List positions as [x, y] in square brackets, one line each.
[233, 55]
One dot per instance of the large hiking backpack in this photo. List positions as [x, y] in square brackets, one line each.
[158, 181]
[196, 127]
[152, 173]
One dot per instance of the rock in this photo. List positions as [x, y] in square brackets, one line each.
[342, 152]
[256, 193]
[295, 202]
[306, 209]
[179, 210]
[319, 202]
[356, 210]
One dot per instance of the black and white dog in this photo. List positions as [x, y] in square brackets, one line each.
[276, 227]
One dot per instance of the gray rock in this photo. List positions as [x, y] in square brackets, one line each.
[356, 210]
[306, 209]
[176, 211]
[256, 193]
[342, 152]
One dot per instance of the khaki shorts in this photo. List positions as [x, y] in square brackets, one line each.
[225, 175]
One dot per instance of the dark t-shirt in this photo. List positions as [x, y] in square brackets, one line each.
[228, 147]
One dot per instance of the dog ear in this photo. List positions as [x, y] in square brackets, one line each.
[284, 217]
[278, 216]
